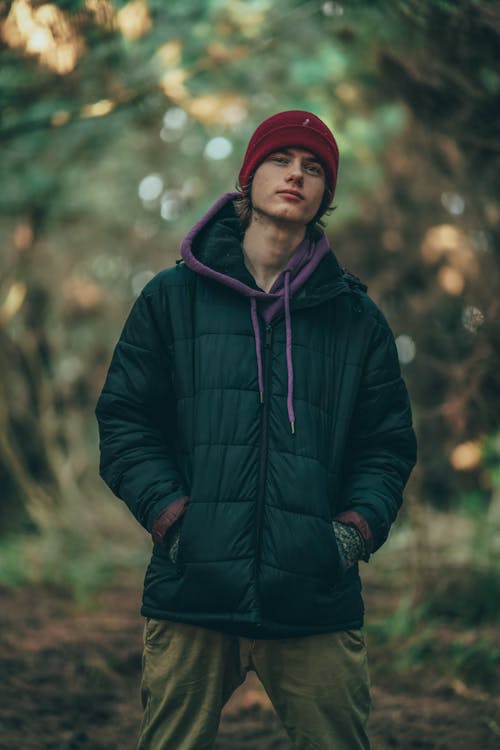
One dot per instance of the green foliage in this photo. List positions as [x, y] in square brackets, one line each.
[454, 654]
[474, 504]
[491, 458]
[433, 603]
[466, 594]
[476, 662]
[78, 550]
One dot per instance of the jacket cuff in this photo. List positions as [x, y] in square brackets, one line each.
[168, 517]
[352, 518]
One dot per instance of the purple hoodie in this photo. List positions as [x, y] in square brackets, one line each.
[268, 305]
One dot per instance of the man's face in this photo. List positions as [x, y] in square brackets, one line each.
[289, 186]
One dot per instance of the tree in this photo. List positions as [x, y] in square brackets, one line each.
[100, 99]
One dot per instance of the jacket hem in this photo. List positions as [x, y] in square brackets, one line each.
[245, 628]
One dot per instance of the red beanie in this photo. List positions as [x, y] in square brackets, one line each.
[289, 129]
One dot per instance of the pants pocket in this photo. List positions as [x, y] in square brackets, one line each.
[156, 633]
[354, 640]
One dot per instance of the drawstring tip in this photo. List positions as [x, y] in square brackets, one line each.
[292, 427]
[261, 395]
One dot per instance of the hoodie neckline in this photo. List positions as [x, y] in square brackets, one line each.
[213, 248]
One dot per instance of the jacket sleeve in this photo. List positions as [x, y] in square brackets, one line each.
[136, 417]
[381, 449]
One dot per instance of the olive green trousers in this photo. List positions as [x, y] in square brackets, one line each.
[317, 684]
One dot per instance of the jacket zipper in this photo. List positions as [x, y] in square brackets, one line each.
[264, 439]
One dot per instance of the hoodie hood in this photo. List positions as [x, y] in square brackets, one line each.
[213, 248]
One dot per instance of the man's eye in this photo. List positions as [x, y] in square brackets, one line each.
[313, 169]
[280, 159]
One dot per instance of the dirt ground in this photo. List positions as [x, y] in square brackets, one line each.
[70, 681]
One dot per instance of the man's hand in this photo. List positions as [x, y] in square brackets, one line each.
[350, 543]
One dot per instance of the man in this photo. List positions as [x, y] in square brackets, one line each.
[255, 422]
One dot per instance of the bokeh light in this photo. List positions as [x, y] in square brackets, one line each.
[150, 188]
[466, 456]
[454, 203]
[218, 148]
[406, 348]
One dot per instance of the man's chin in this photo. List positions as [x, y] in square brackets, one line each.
[282, 216]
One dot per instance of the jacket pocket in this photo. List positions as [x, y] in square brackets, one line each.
[338, 568]
[300, 545]
[168, 551]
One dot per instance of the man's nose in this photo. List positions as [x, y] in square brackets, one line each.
[295, 172]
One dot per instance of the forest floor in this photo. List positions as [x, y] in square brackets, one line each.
[70, 681]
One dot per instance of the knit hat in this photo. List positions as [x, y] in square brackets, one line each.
[289, 129]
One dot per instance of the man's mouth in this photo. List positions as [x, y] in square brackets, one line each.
[291, 194]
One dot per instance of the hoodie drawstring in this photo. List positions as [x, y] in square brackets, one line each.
[289, 362]
[288, 347]
[258, 346]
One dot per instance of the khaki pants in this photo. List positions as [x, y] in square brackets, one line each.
[317, 684]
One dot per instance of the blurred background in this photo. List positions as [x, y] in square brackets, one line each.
[120, 124]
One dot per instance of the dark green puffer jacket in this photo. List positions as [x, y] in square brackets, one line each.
[180, 414]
